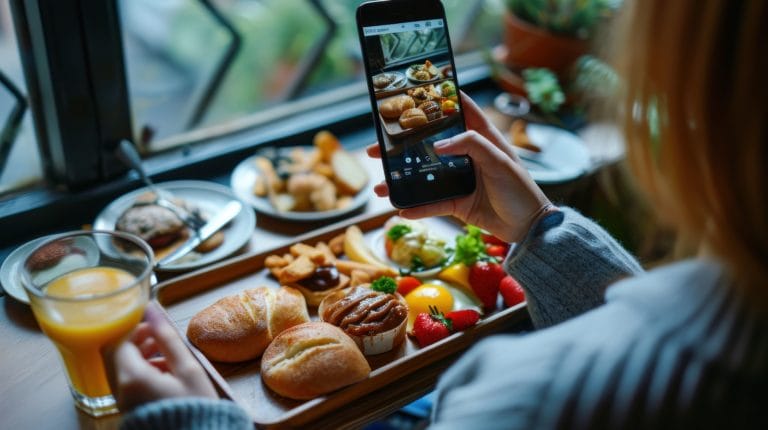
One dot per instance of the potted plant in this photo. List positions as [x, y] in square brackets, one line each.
[550, 33]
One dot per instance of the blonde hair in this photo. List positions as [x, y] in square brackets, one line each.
[694, 109]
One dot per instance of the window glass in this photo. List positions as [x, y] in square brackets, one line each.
[180, 79]
[290, 49]
[19, 159]
[399, 48]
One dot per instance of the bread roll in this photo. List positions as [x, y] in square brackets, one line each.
[310, 360]
[412, 118]
[239, 327]
[393, 107]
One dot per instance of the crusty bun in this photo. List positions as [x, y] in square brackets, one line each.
[239, 327]
[412, 118]
[393, 107]
[310, 360]
[350, 176]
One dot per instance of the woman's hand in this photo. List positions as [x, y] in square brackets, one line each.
[506, 200]
[155, 364]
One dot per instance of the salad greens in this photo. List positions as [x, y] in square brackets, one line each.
[398, 231]
[385, 284]
[470, 247]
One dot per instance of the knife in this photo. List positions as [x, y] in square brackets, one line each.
[215, 224]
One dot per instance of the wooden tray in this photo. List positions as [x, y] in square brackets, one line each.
[184, 296]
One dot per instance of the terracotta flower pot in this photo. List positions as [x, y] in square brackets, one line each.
[531, 46]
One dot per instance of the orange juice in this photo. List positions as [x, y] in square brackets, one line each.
[81, 328]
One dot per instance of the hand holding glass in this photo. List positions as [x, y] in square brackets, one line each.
[88, 290]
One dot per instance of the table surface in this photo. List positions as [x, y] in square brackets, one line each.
[34, 391]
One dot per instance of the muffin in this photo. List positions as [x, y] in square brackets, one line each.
[376, 321]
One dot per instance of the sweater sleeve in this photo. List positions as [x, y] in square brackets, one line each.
[564, 264]
[189, 413]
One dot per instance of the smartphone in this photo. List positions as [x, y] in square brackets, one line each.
[415, 101]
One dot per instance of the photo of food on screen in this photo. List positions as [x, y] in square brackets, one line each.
[416, 95]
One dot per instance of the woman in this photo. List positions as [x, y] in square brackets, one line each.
[684, 345]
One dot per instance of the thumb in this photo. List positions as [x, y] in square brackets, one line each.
[473, 144]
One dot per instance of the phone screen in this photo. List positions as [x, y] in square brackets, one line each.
[415, 100]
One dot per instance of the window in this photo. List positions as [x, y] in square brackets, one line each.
[407, 47]
[19, 159]
[187, 71]
[198, 69]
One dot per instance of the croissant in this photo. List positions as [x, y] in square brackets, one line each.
[240, 327]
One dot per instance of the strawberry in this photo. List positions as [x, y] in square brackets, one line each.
[511, 291]
[490, 239]
[463, 319]
[484, 278]
[430, 328]
[406, 284]
[499, 251]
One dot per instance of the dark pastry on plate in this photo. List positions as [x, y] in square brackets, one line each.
[383, 80]
[158, 226]
[50, 255]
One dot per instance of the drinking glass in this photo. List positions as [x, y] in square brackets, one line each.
[88, 290]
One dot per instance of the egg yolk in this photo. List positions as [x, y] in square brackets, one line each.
[420, 299]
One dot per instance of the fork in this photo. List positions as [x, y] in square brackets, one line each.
[127, 153]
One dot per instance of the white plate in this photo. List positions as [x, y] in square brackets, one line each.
[378, 247]
[409, 73]
[563, 155]
[244, 177]
[9, 272]
[398, 82]
[209, 197]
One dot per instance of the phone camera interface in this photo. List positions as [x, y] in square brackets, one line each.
[416, 97]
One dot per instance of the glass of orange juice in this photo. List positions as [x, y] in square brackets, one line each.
[88, 290]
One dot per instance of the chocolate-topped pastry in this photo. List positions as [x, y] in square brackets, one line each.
[323, 278]
[376, 321]
[431, 109]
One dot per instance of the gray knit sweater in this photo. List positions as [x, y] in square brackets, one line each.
[674, 347]
[671, 348]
